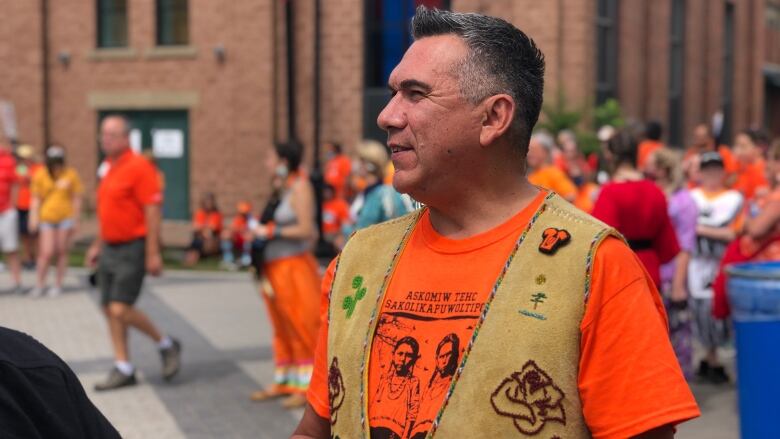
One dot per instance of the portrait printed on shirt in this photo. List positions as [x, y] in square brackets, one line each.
[417, 348]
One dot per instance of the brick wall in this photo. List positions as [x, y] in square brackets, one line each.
[241, 106]
[21, 68]
[231, 124]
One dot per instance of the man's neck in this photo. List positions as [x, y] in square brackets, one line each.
[479, 208]
[119, 154]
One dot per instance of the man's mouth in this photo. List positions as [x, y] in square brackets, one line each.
[399, 148]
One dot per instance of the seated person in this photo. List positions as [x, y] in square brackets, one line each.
[206, 230]
[236, 238]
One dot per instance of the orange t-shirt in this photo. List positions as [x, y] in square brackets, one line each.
[24, 195]
[624, 330]
[130, 184]
[646, 148]
[335, 213]
[207, 220]
[337, 172]
[751, 177]
[553, 178]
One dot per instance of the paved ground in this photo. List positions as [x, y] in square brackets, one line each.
[225, 333]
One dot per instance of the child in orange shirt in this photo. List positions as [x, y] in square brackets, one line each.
[335, 215]
[235, 238]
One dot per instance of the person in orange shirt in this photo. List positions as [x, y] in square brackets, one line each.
[751, 168]
[206, 230]
[127, 248]
[338, 166]
[408, 295]
[335, 215]
[26, 168]
[652, 143]
[541, 170]
[236, 238]
[704, 141]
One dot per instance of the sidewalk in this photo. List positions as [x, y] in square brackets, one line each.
[225, 333]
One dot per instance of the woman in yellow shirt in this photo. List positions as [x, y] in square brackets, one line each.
[54, 213]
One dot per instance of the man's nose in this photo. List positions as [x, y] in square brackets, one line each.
[391, 116]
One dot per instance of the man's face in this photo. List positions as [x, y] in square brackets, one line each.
[701, 136]
[744, 149]
[537, 155]
[431, 129]
[712, 177]
[113, 136]
[403, 357]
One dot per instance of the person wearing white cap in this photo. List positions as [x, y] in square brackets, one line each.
[54, 212]
[26, 167]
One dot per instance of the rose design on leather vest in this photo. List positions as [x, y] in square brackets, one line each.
[336, 390]
[530, 398]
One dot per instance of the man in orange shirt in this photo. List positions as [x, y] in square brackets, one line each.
[652, 143]
[481, 315]
[704, 141]
[128, 247]
[541, 170]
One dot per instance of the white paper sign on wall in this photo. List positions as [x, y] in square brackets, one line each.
[8, 120]
[168, 144]
[135, 140]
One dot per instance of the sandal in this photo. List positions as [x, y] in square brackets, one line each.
[294, 401]
[266, 394]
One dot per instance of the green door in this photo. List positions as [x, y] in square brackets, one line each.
[166, 135]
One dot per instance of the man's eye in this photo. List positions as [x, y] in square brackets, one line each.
[416, 94]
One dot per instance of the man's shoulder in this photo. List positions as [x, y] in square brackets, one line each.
[399, 224]
[564, 208]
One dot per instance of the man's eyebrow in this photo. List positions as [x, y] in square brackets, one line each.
[411, 83]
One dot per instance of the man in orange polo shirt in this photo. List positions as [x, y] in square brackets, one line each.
[128, 204]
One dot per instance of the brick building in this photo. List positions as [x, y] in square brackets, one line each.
[209, 84]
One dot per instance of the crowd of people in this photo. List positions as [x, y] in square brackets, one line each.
[684, 213]
[357, 192]
[40, 205]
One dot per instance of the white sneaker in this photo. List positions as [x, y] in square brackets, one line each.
[36, 292]
[54, 292]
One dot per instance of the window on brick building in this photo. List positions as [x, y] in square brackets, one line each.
[111, 23]
[172, 23]
[676, 72]
[606, 50]
[387, 36]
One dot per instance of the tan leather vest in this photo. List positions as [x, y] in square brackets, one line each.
[518, 374]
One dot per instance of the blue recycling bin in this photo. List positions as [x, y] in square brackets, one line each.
[754, 294]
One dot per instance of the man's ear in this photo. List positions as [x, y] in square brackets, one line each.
[498, 114]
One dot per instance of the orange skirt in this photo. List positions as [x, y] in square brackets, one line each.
[293, 306]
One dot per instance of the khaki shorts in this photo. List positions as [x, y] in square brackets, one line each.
[121, 271]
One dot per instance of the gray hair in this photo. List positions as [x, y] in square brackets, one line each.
[125, 121]
[544, 139]
[501, 59]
